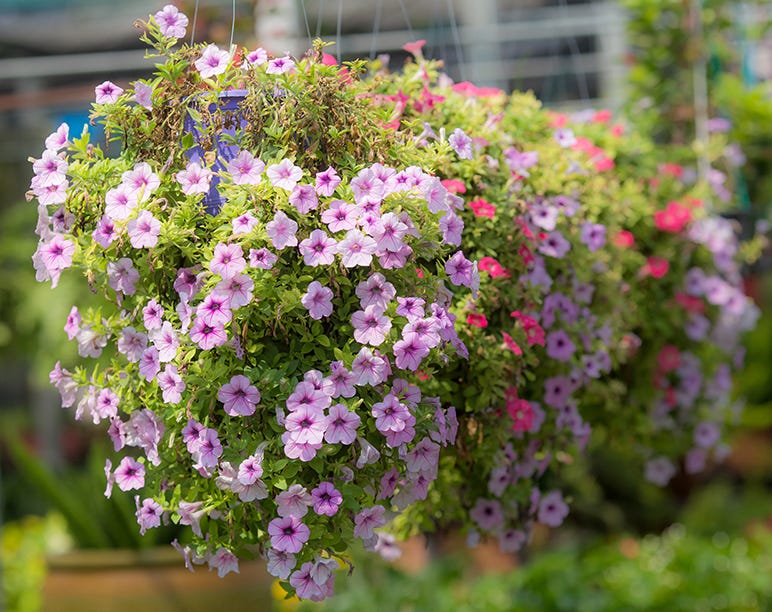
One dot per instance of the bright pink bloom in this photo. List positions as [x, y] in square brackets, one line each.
[481, 208]
[493, 267]
[478, 320]
[674, 218]
[656, 267]
[624, 239]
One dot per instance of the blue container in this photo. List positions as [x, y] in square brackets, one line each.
[228, 105]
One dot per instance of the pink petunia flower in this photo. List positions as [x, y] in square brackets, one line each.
[213, 61]
[207, 336]
[107, 93]
[461, 144]
[304, 198]
[280, 65]
[227, 260]
[194, 179]
[144, 230]
[318, 249]
[171, 21]
[282, 230]
[340, 216]
[245, 169]
[317, 300]
[143, 94]
[327, 182]
[288, 534]
[130, 474]
[122, 275]
[342, 425]
[371, 325]
[141, 181]
[284, 175]
[356, 249]
[59, 138]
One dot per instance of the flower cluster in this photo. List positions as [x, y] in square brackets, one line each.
[328, 301]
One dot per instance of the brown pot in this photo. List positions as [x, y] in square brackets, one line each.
[154, 580]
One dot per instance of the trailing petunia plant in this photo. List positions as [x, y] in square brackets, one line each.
[273, 275]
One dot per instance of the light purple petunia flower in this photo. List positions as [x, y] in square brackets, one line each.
[130, 474]
[317, 300]
[141, 181]
[375, 291]
[306, 425]
[461, 144]
[280, 65]
[371, 325]
[149, 364]
[152, 315]
[244, 224]
[171, 21]
[552, 509]
[326, 499]
[258, 57]
[171, 384]
[214, 310]
[593, 235]
[284, 175]
[367, 188]
[304, 199]
[293, 502]
[107, 92]
[245, 169]
[148, 514]
[213, 61]
[342, 425]
[282, 230]
[327, 182]
[460, 269]
[72, 326]
[659, 471]
[227, 260]
[165, 341]
[409, 352]
[194, 179]
[554, 245]
[144, 230]
[207, 336]
[224, 560]
[143, 94]
[239, 396]
[318, 249]
[236, 289]
[280, 564]
[559, 346]
[59, 138]
[288, 534]
[340, 216]
[122, 275]
[369, 368]
[262, 258]
[487, 514]
[119, 202]
[452, 227]
[557, 390]
[367, 520]
[356, 249]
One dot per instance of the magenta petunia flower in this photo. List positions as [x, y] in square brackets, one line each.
[130, 474]
[245, 169]
[317, 300]
[107, 93]
[171, 21]
[239, 396]
[213, 61]
[326, 498]
[288, 534]
[318, 249]
[342, 425]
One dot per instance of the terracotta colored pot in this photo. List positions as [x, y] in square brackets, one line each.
[149, 581]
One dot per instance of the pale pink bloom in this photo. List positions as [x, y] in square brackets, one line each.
[258, 57]
[54, 192]
[130, 474]
[213, 61]
[327, 182]
[90, 342]
[356, 249]
[304, 199]
[262, 258]
[194, 179]
[143, 94]
[461, 144]
[369, 368]
[305, 451]
[107, 93]
[424, 457]
[59, 138]
[305, 585]
[435, 194]
[165, 341]
[306, 425]
[318, 300]
[119, 202]
[106, 404]
[409, 352]
[237, 290]
[225, 561]
[54, 255]
[171, 384]
[132, 343]
[72, 326]
[307, 395]
[149, 364]
[452, 227]
[109, 476]
[367, 188]
[390, 414]
[148, 514]
[122, 275]
[144, 230]
[375, 291]
[238, 396]
[105, 232]
[280, 65]
[152, 315]
[280, 563]
[209, 449]
[389, 231]
[171, 21]
[367, 520]
[342, 425]
[244, 224]
[190, 514]
[318, 249]
[251, 468]
[50, 168]
[288, 534]
[371, 325]
[340, 216]
[141, 181]
[245, 169]
[282, 230]
[293, 502]
[227, 260]
[284, 175]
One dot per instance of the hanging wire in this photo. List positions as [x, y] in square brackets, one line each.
[193, 28]
[340, 23]
[407, 19]
[308, 27]
[457, 40]
[319, 17]
[581, 77]
[233, 24]
[376, 29]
